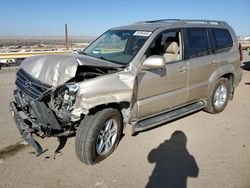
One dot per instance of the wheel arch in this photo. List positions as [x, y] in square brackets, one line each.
[210, 106]
[122, 106]
[226, 74]
[229, 77]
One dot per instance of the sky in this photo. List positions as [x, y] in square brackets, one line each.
[93, 17]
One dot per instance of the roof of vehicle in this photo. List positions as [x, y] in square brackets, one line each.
[152, 25]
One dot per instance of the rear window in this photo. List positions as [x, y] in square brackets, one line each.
[222, 38]
[197, 42]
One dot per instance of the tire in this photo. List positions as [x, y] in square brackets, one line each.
[98, 135]
[219, 97]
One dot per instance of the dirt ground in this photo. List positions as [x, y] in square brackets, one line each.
[200, 150]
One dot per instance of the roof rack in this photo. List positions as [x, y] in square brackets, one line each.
[180, 21]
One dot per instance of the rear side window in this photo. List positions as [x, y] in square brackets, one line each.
[197, 42]
[222, 39]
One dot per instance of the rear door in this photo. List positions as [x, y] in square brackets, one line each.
[228, 53]
[202, 61]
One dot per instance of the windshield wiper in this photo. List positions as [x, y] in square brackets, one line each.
[103, 58]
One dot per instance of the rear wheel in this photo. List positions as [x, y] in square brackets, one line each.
[219, 96]
[98, 135]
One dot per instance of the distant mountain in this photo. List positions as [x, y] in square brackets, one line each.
[39, 40]
[46, 37]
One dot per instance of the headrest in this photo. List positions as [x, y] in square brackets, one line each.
[171, 47]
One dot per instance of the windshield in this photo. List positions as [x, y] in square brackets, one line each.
[117, 46]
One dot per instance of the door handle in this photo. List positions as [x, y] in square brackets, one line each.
[214, 62]
[182, 69]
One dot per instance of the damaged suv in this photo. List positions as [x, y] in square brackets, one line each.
[141, 75]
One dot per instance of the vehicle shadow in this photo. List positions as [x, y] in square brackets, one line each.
[173, 163]
[246, 66]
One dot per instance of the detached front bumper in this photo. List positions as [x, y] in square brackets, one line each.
[25, 128]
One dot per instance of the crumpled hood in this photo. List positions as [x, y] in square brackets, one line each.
[58, 69]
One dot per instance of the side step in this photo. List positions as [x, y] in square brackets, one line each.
[167, 116]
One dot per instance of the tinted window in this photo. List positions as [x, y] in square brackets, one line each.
[197, 42]
[222, 38]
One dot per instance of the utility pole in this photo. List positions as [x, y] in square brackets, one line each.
[66, 36]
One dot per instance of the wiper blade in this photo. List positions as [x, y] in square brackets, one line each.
[103, 58]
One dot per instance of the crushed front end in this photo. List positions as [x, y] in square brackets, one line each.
[42, 109]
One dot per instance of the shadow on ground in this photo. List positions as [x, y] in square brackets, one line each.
[173, 163]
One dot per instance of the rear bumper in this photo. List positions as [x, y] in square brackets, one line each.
[25, 128]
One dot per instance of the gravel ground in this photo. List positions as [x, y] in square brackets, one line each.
[200, 150]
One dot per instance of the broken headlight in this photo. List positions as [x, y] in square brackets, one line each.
[70, 95]
[62, 101]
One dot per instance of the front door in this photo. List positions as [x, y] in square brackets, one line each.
[162, 89]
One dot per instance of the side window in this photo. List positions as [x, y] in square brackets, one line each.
[222, 39]
[197, 43]
[168, 45]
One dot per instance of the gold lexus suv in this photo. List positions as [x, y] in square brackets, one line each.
[141, 75]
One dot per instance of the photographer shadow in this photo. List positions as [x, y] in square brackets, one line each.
[173, 165]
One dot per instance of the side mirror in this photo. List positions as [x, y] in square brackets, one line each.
[154, 62]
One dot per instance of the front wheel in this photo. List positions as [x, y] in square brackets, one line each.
[98, 135]
[219, 96]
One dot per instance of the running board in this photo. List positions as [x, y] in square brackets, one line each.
[167, 116]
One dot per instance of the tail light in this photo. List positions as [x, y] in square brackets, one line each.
[240, 51]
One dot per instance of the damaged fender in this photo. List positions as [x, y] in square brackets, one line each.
[113, 88]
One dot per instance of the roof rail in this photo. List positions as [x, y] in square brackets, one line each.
[178, 21]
